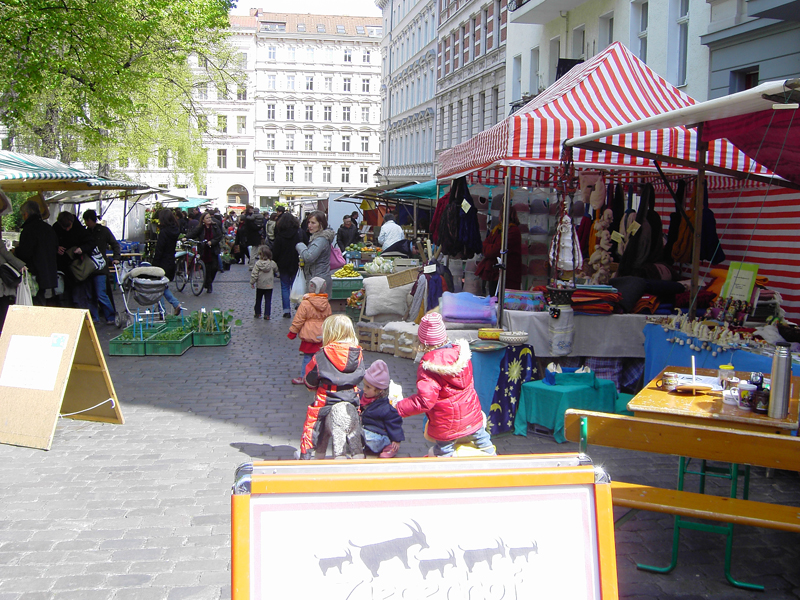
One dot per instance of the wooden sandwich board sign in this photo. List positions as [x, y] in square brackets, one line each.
[510, 527]
[51, 365]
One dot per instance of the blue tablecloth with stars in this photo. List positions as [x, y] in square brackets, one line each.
[545, 404]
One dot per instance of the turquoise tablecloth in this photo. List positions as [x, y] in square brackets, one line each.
[545, 404]
[659, 354]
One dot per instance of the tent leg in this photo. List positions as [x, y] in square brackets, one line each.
[702, 151]
[501, 280]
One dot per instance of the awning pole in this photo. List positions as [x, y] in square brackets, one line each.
[124, 212]
[501, 280]
[415, 218]
[702, 150]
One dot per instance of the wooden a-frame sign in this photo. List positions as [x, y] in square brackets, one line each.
[51, 365]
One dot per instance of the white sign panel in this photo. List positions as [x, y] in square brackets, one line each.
[32, 362]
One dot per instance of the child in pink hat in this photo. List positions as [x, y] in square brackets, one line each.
[382, 425]
[446, 392]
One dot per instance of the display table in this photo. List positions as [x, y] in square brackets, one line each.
[660, 353]
[545, 404]
[614, 336]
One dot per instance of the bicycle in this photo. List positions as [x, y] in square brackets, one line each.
[189, 267]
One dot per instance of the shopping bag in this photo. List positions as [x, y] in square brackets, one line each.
[298, 287]
[337, 259]
[24, 296]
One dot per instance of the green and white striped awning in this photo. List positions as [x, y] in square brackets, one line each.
[26, 172]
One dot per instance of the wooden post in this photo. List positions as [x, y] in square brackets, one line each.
[702, 151]
[501, 280]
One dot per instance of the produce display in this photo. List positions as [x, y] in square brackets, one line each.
[356, 299]
[379, 265]
[171, 334]
[360, 247]
[349, 270]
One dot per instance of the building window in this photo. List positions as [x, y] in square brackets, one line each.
[290, 112]
[270, 141]
[365, 58]
[301, 27]
[364, 175]
[365, 86]
[122, 162]
[241, 93]
[222, 159]
[222, 92]
[222, 123]
[348, 56]
[241, 124]
[743, 80]
[289, 174]
[163, 160]
[327, 143]
[290, 141]
[270, 175]
[270, 82]
[516, 77]
[241, 159]
[326, 174]
[345, 143]
[291, 53]
[327, 113]
[202, 91]
[683, 40]
[271, 51]
[202, 122]
[346, 85]
[320, 28]
[241, 60]
[365, 143]
[345, 174]
[309, 142]
[643, 15]
[578, 47]
[271, 111]
[365, 114]
[345, 113]
[309, 113]
[307, 174]
[606, 31]
[340, 29]
[309, 83]
[290, 82]
[329, 84]
[533, 76]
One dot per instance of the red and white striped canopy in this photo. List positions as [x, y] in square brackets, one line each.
[611, 89]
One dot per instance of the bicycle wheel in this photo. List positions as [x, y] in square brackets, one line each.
[180, 275]
[198, 278]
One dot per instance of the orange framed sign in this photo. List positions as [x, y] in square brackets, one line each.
[506, 527]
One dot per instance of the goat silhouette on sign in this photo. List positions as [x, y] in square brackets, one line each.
[372, 555]
[436, 564]
[514, 553]
[330, 562]
[473, 557]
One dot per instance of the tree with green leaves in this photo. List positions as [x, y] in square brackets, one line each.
[107, 81]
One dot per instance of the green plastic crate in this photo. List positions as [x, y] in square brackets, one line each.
[118, 347]
[174, 322]
[211, 338]
[354, 313]
[343, 287]
[168, 347]
[148, 330]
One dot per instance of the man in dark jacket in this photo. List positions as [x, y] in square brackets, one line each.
[347, 234]
[38, 249]
[285, 255]
[75, 243]
[103, 239]
[254, 223]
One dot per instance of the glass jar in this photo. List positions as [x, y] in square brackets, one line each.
[724, 373]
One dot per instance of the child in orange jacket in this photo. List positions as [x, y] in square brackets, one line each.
[313, 310]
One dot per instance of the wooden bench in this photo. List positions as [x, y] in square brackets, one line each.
[737, 447]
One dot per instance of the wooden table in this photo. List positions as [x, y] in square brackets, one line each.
[707, 408]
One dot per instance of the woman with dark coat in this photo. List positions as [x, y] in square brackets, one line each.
[164, 256]
[209, 233]
[241, 241]
[287, 234]
[491, 252]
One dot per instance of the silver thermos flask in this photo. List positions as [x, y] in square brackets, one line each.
[781, 381]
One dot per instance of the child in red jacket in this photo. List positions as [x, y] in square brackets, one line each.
[446, 392]
[313, 310]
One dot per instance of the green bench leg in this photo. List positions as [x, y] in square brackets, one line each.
[731, 473]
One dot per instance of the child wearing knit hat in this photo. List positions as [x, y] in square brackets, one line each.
[382, 425]
[446, 392]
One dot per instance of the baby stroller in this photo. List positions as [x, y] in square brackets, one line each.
[145, 285]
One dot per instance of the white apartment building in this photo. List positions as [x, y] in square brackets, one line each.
[665, 34]
[317, 104]
[408, 89]
[471, 66]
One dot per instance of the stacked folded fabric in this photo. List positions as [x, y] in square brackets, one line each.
[647, 304]
[464, 307]
[595, 300]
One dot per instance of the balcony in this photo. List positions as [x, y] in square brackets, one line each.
[540, 12]
[785, 10]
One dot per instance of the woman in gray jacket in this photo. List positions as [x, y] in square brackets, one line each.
[316, 256]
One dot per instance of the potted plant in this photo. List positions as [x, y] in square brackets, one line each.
[212, 328]
[126, 344]
[170, 342]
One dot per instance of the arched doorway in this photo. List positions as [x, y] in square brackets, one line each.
[237, 194]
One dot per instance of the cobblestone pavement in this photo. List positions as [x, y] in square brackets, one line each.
[142, 510]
